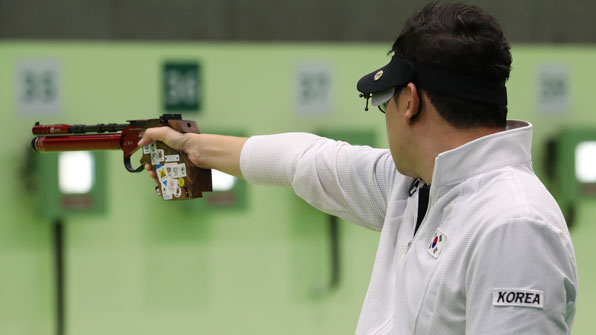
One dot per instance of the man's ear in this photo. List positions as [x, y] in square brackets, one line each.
[413, 103]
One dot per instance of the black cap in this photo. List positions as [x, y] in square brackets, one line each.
[400, 72]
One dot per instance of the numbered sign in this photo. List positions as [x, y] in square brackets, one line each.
[182, 86]
[553, 89]
[38, 87]
[313, 88]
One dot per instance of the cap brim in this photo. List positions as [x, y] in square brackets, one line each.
[398, 72]
[379, 98]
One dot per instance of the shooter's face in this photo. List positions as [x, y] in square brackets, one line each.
[399, 135]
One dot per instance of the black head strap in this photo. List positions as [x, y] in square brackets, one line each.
[460, 86]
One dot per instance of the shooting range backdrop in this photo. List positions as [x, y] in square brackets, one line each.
[146, 266]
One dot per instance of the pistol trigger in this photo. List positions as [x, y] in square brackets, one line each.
[129, 167]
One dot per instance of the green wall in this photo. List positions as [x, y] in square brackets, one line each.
[152, 267]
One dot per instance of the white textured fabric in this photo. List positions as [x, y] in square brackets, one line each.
[501, 231]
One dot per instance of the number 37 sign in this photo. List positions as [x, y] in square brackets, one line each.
[314, 88]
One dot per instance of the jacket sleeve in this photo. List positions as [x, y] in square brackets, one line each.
[348, 181]
[521, 280]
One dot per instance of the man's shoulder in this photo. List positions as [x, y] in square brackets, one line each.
[516, 195]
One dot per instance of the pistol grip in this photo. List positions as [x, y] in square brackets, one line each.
[179, 178]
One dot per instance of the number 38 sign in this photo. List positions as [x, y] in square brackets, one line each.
[38, 87]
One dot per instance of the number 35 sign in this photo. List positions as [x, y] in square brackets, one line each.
[38, 87]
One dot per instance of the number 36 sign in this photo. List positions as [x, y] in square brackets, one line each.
[182, 89]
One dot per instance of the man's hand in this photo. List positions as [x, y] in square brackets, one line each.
[206, 151]
[167, 135]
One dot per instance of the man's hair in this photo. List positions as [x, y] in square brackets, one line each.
[462, 39]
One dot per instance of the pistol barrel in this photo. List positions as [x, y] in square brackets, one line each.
[76, 142]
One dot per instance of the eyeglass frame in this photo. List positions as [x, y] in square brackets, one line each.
[384, 104]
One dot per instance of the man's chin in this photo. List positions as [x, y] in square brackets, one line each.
[405, 172]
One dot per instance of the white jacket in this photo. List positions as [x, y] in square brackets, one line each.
[492, 256]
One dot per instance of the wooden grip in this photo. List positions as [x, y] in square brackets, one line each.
[179, 178]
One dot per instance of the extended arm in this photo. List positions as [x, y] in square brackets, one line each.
[335, 177]
[351, 182]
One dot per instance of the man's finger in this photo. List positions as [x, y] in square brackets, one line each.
[167, 135]
[152, 173]
[153, 176]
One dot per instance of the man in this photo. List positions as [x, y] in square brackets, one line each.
[471, 241]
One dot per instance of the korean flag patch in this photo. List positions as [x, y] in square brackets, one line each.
[436, 244]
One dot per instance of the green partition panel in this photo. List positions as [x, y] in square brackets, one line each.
[567, 186]
[319, 254]
[55, 202]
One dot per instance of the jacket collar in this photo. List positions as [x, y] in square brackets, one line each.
[506, 148]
